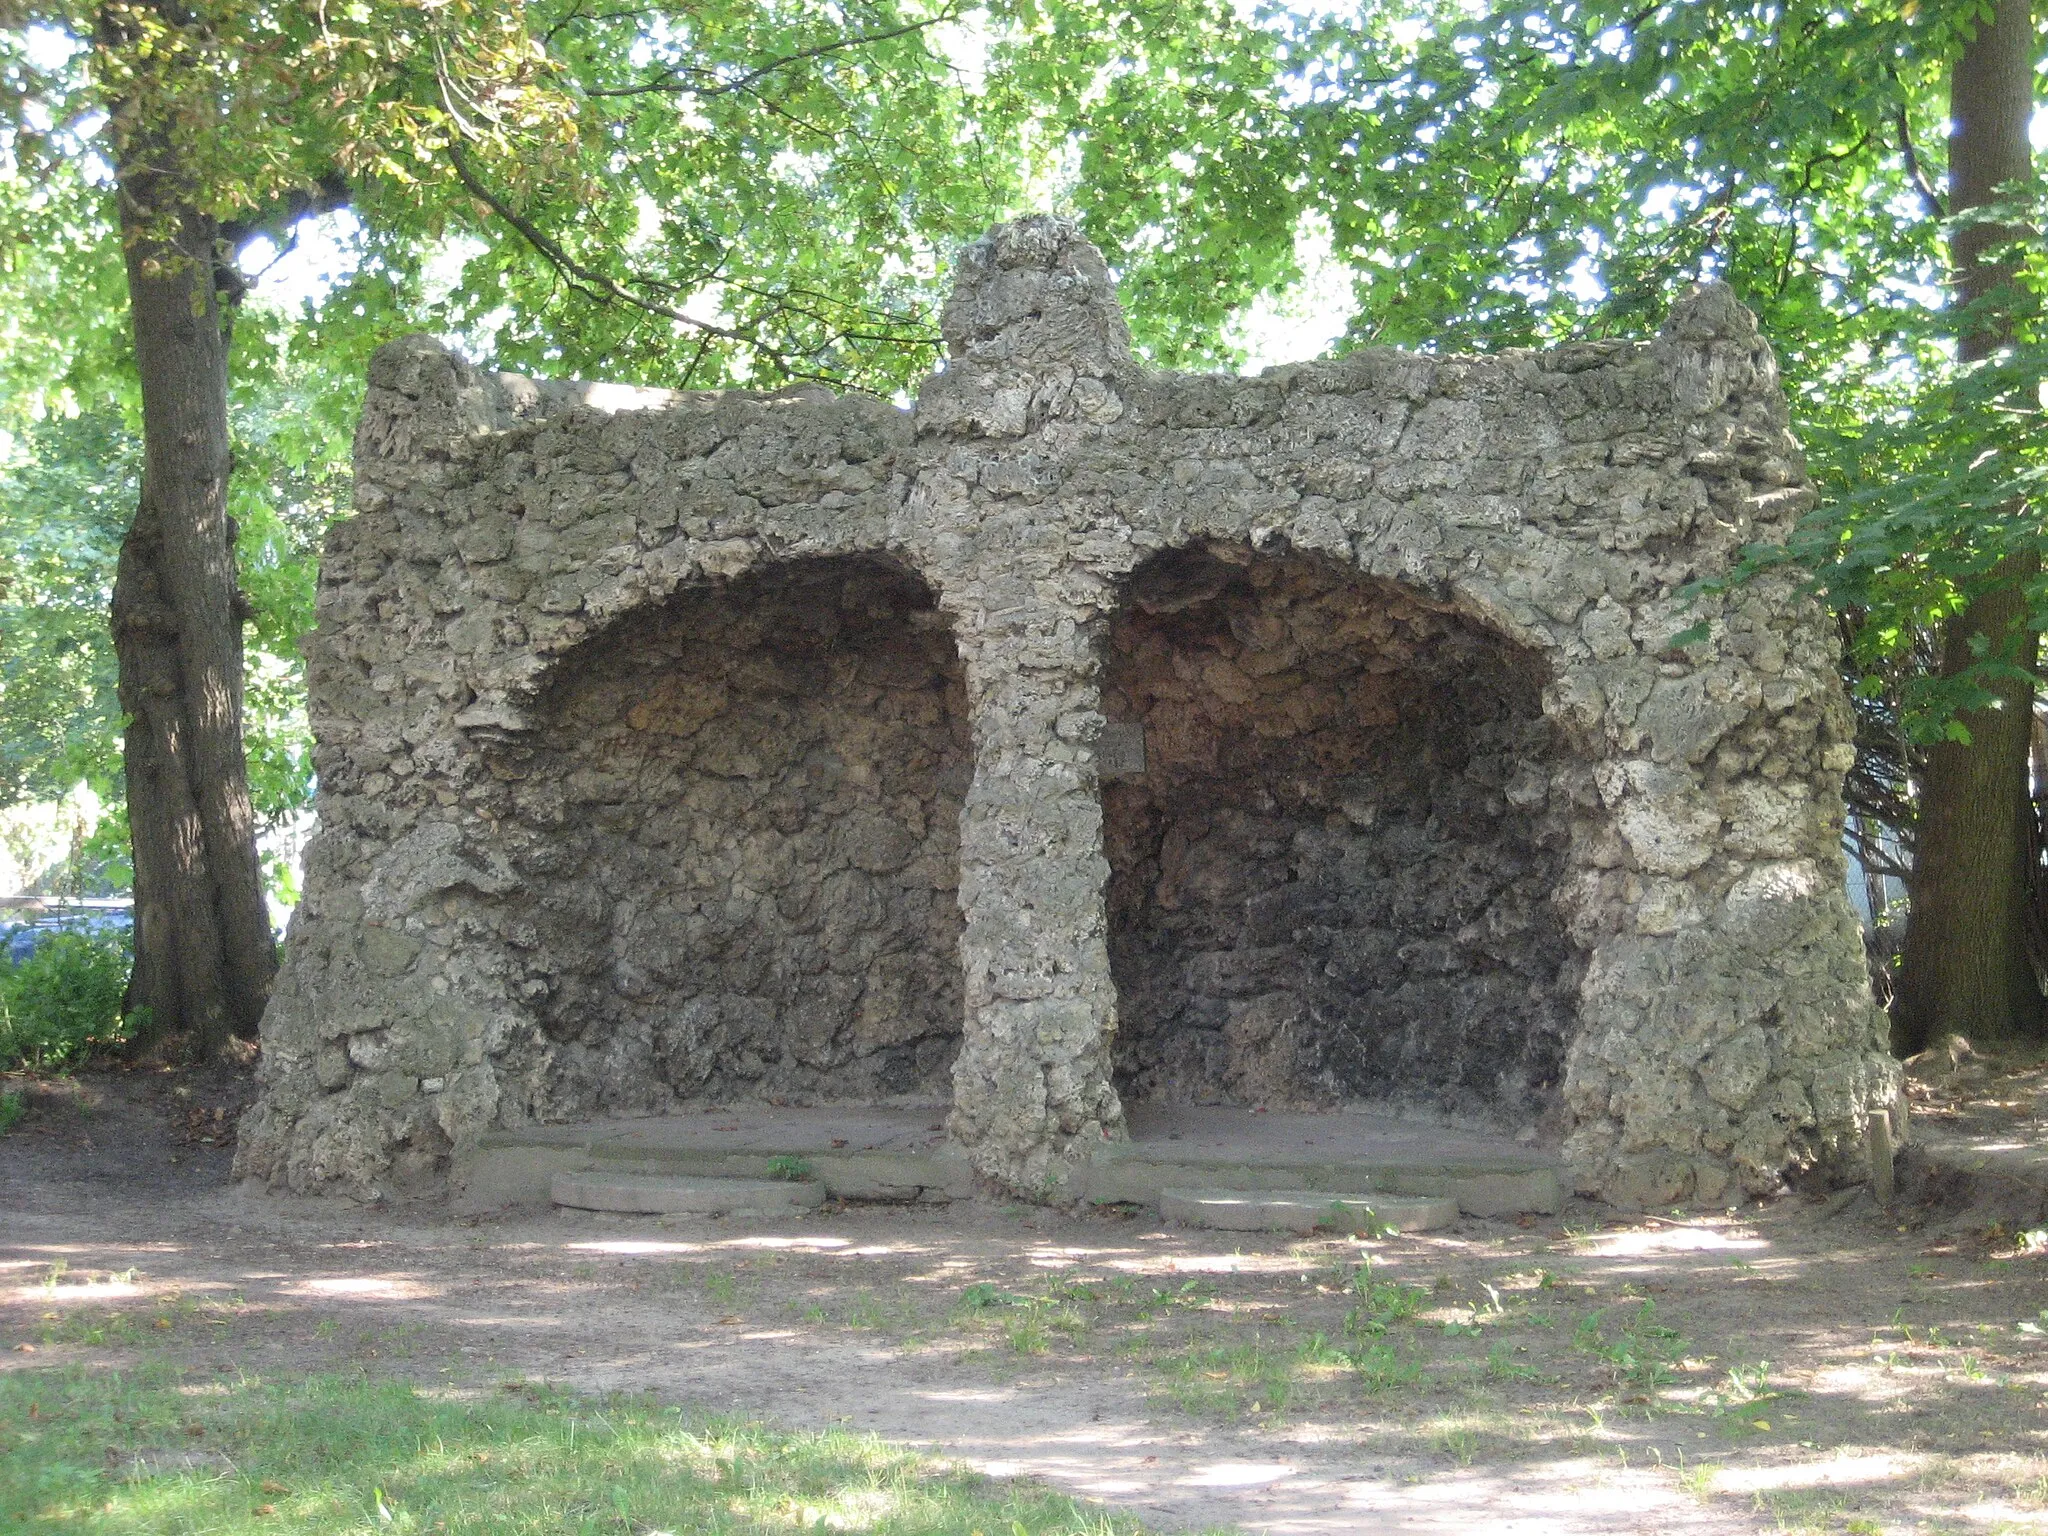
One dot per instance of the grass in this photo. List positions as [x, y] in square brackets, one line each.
[1381, 1304]
[1478, 1367]
[12, 1107]
[1256, 1371]
[1028, 1322]
[1744, 1398]
[865, 1312]
[74, 1318]
[157, 1451]
[1231, 1376]
[1228, 1363]
[1501, 1365]
[1638, 1351]
[1382, 1368]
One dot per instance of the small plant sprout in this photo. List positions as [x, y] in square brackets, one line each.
[1638, 1351]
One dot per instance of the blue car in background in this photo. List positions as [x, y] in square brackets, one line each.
[20, 939]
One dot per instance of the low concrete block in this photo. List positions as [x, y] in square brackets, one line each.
[1303, 1210]
[881, 1176]
[494, 1178]
[666, 1194]
[1483, 1194]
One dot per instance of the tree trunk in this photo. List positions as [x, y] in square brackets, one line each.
[1966, 968]
[204, 954]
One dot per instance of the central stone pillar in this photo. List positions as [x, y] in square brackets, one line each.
[1014, 523]
[1031, 1086]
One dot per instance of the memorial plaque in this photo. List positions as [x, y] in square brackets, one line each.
[1120, 751]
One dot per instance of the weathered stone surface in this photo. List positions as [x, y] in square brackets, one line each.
[683, 745]
[649, 1194]
[740, 833]
[1334, 879]
[1304, 1210]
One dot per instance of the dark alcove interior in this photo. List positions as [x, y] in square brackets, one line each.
[741, 824]
[1331, 879]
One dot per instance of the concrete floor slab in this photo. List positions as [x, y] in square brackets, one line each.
[1304, 1210]
[669, 1195]
[900, 1152]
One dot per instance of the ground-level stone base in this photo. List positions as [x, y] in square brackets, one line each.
[901, 1155]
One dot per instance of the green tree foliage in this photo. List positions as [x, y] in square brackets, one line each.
[1516, 174]
[64, 504]
[1526, 173]
[740, 193]
[751, 192]
[65, 500]
[702, 194]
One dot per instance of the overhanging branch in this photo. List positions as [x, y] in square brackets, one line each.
[595, 283]
[601, 288]
[681, 79]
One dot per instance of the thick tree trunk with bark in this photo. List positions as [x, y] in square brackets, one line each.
[204, 952]
[1967, 968]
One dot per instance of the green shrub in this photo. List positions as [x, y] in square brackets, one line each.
[63, 1003]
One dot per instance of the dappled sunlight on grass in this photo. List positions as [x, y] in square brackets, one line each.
[316, 1454]
[814, 1242]
[1786, 1366]
[1239, 1474]
[1846, 1470]
[1209, 1264]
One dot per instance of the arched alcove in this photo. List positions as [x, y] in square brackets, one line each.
[740, 827]
[1332, 862]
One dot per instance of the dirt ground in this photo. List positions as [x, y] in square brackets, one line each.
[1810, 1365]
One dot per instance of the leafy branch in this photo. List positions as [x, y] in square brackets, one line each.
[683, 79]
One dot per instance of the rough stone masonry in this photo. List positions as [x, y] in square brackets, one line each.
[1085, 733]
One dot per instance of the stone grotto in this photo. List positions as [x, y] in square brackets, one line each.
[1083, 735]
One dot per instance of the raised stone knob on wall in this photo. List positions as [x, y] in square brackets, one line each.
[1033, 333]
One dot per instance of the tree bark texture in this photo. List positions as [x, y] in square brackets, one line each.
[1966, 967]
[204, 951]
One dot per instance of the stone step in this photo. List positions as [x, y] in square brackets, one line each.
[1137, 1173]
[644, 1194]
[1304, 1210]
[900, 1153]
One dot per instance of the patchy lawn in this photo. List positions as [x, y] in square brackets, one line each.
[161, 1449]
[1807, 1366]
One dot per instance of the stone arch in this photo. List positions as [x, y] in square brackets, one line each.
[736, 813]
[1333, 871]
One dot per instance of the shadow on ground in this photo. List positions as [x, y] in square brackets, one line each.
[1821, 1366]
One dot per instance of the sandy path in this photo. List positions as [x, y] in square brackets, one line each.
[764, 1319]
[519, 1298]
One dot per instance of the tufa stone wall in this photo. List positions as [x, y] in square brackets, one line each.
[679, 745]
